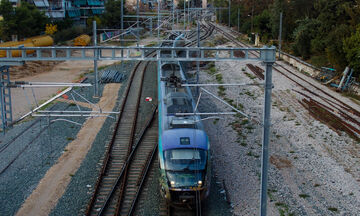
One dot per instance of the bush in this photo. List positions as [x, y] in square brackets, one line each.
[69, 34]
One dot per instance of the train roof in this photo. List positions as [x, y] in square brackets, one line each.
[184, 138]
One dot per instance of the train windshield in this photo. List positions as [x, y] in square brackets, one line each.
[185, 179]
[185, 159]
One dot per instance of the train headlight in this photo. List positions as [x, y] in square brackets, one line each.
[172, 183]
[199, 182]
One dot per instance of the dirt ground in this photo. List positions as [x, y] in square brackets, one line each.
[53, 185]
[68, 71]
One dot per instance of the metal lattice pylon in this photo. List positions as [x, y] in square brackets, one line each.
[5, 96]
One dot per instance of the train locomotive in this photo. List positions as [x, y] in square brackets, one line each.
[184, 148]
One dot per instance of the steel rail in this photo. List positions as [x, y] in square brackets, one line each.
[149, 162]
[112, 141]
[107, 158]
[130, 146]
[335, 103]
[143, 175]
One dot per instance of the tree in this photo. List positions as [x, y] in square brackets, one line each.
[334, 47]
[90, 20]
[24, 21]
[8, 22]
[112, 15]
[303, 35]
[351, 47]
[262, 24]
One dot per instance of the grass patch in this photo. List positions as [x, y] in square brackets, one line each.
[219, 78]
[249, 127]
[212, 70]
[244, 122]
[250, 76]
[249, 94]
[47, 105]
[252, 154]
[69, 138]
[221, 91]
[249, 153]
[352, 96]
[219, 40]
[333, 209]
[270, 194]
[151, 44]
[304, 196]
[280, 204]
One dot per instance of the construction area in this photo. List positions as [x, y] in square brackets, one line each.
[81, 123]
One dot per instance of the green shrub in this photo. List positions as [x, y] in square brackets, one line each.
[69, 34]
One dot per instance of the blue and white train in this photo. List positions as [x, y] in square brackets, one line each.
[184, 149]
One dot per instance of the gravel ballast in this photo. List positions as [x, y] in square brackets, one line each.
[79, 191]
[313, 170]
[22, 176]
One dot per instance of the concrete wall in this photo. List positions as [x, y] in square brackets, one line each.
[300, 64]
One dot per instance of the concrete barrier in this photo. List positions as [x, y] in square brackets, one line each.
[300, 64]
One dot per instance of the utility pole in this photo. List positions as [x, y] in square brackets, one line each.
[122, 22]
[238, 19]
[96, 87]
[198, 54]
[189, 1]
[252, 15]
[220, 10]
[280, 32]
[158, 27]
[173, 13]
[122, 35]
[269, 60]
[184, 14]
[229, 13]
[137, 22]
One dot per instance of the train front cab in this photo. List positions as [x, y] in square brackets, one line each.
[186, 169]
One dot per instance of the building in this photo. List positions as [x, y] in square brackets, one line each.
[78, 10]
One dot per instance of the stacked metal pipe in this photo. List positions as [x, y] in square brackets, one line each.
[111, 76]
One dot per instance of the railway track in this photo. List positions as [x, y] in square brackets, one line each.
[319, 97]
[168, 210]
[126, 164]
[184, 211]
[106, 199]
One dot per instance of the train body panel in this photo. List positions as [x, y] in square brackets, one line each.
[184, 149]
